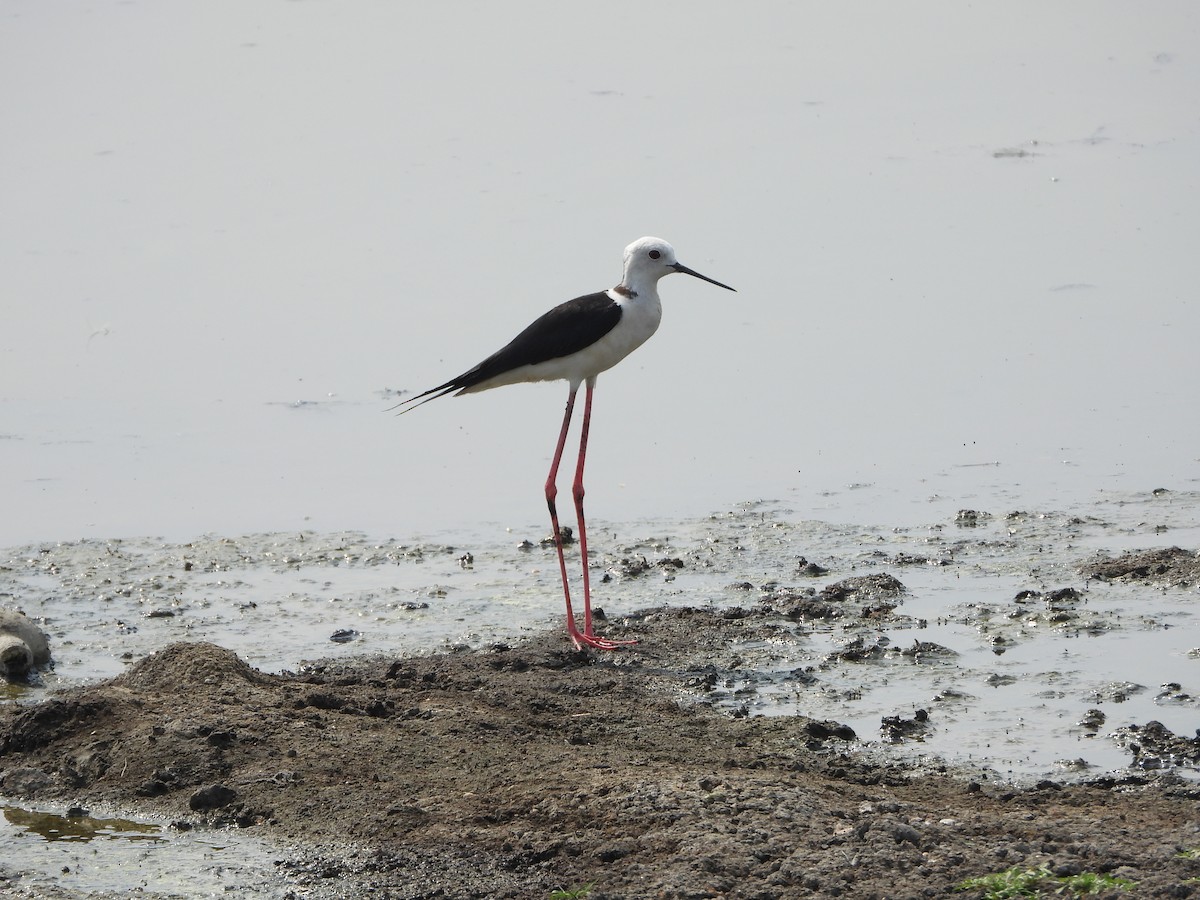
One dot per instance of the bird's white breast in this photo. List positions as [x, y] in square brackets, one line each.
[640, 317]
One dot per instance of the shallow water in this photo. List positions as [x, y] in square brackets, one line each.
[961, 238]
[95, 855]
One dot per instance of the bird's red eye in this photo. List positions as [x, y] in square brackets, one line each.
[654, 254]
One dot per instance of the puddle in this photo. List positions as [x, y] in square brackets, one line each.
[80, 853]
[77, 825]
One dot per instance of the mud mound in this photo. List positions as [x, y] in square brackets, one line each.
[184, 665]
[1171, 566]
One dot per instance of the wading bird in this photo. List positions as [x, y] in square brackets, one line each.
[575, 342]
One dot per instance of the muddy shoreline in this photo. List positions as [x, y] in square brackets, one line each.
[516, 770]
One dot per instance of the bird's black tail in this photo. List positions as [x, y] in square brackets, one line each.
[421, 399]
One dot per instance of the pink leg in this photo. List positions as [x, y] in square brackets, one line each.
[577, 492]
[551, 493]
[588, 636]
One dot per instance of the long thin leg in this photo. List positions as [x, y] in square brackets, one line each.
[551, 493]
[577, 492]
[588, 636]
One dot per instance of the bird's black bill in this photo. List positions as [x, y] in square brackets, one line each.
[680, 267]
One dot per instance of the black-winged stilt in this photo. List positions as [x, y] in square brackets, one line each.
[576, 341]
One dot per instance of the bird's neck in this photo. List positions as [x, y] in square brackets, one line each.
[643, 293]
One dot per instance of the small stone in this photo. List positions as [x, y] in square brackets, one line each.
[213, 796]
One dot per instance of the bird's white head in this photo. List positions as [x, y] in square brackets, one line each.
[648, 259]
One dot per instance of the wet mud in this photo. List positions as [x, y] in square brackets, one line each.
[516, 770]
[790, 734]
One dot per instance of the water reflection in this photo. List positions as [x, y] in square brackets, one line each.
[78, 826]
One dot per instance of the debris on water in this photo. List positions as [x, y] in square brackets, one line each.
[631, 567]
[565, 533]
[895, 729]
[804, 606]
[858, 650]
[926, 650]
[1093, 719]
[1000, 644]
[910, 559]
[1062, 595]
[864, 588]
[1173, 692]
[1115, 692]
[1013, 153]
[806, 569]
[1154, 746]
[412, 605]
[970, 518]
[344, 635]
[1169, 566]
[1079, 764]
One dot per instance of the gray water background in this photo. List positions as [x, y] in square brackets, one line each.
[960, 236]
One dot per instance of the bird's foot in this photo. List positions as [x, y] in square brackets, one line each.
[596, 642]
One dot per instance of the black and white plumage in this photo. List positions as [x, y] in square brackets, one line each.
[576, 341]
[552, 339]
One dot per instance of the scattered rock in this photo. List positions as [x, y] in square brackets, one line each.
[831, 729]
[23, 646]
[1154, 746]
[214, 796]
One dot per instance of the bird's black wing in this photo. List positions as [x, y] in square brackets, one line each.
[566, 329]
